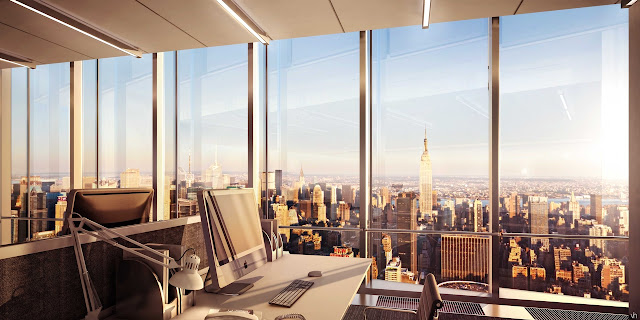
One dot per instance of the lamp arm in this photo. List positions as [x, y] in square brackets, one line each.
[98, 234]
[91, 298]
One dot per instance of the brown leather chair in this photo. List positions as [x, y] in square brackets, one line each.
[110, 207]
[430, 302]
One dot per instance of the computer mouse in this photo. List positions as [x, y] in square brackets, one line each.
[315, 274]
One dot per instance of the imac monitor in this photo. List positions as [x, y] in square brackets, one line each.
[232, 236]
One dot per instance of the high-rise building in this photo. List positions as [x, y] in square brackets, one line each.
[464, 258]
[213, 177]
[60, 208]
[318, 195]
[301, 179]
[513, 204]
[344, 211]
[539, 215]
[306, 208]
[348, 194]
[130, 178]
[384, 197]
[599, 230]
[393, 271]
[322, 212]
[386, 247]
[449, 213]
[477, 222]
[279, 182]
[574, 210]
[596, 207]
[520, 277]
[426, 187]
[407, 219]
[282, 215]
[562, 258]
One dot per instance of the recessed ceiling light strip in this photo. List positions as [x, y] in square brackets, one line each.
[245, 22]
[426, 13]
[16, 63]
[129, 52]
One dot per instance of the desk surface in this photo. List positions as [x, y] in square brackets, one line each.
[327, 299]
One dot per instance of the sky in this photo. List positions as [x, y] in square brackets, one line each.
[564, 83]
[564, 100]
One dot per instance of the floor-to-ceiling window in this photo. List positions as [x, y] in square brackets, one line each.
[19, 138]
[125, 122]
[430, 124]
[565, 152]
[90, 124]
[170, 143]
[49, 175]
[40, 169]
[212, 122]
[313, 140]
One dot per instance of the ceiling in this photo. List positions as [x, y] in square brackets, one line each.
[167, 25]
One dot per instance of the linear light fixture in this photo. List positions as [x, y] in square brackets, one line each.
[628, 3]
[426, 12]
[17, 63]
[564, 104]
[75, 28]
[244, 23]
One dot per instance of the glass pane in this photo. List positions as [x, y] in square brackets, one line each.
[430, 143]
[459, 262]
[571, 268]
[90, 124]
[19, 179]
[564, 136]
[170, 191]
[212, 121]
[335, 243]
[313, 138]
[49, 179]
[125, 129]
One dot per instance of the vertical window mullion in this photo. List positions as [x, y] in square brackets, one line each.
[494, 152]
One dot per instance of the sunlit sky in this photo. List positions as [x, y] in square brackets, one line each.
[564, 83]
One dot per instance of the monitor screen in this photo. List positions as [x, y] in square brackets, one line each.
[232, 232]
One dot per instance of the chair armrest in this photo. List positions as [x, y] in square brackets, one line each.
[388, 309]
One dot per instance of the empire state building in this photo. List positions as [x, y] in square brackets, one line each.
[426, 184]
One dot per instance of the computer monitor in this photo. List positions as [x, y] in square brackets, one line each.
[109, 207]
[232, 236]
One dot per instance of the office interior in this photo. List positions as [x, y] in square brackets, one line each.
[432, 158]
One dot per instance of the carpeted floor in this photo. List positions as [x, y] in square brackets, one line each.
[356, 313]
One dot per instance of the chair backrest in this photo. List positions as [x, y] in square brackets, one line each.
[110, 207]
[430, 300]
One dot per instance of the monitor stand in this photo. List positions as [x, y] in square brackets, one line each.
[233, 289]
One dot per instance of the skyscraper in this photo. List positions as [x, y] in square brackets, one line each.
[279, 182]
[539, 215]
[464, 258]
[130, 178]
[318, 195]
[477, 216]
[596, 207]
[449, 213]
[407, 219]
[574, 209]
[426, 187]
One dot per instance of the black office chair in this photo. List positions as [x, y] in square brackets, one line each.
[430, 302]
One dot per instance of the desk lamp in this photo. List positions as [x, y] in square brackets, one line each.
[188, 278]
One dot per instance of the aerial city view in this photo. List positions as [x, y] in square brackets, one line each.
[586, 268]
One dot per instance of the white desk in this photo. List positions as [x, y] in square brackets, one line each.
[327, 299]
